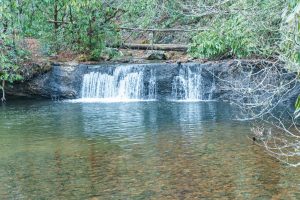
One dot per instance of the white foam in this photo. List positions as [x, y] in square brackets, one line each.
[107, 100]
[189, 100]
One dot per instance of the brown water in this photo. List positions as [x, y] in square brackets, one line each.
[142, 150]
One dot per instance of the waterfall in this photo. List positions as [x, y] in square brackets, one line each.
[152, 85]
[146, 82]
[189, 85]
[123, 83]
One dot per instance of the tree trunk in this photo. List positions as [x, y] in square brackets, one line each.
[72, 23]
[162, 47]
[90, 34]
[5, 26]
[3, 99]
[91, 30]
[56, 24]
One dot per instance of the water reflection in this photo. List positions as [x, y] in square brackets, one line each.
[142, 150]
[116, 121]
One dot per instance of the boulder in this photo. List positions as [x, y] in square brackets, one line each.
[157, 56]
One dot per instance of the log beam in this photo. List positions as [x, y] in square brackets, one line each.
[163, 30]
[162, 47]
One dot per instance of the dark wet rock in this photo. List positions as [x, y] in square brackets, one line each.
[157, 56]
[60, 82]
[64, 81]
[31, 70]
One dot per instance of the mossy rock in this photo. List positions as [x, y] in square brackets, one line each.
[83, 58]
[157, 56]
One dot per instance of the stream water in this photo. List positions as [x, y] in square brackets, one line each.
[138, 150]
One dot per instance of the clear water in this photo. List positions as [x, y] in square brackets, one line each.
[137, 150]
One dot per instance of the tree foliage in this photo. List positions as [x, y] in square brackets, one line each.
[236, 29]
[290, 43]
[10, 53]
[83, 26]
[241, 29]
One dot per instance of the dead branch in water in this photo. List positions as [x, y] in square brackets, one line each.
[261, 91]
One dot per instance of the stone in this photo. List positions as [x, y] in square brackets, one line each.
[157, 56]
[65, 81]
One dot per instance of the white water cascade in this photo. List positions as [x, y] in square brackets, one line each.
[152, 85]
[124, 83]
[189, 85]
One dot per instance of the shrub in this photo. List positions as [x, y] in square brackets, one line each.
[243, 29]
[233, 38]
